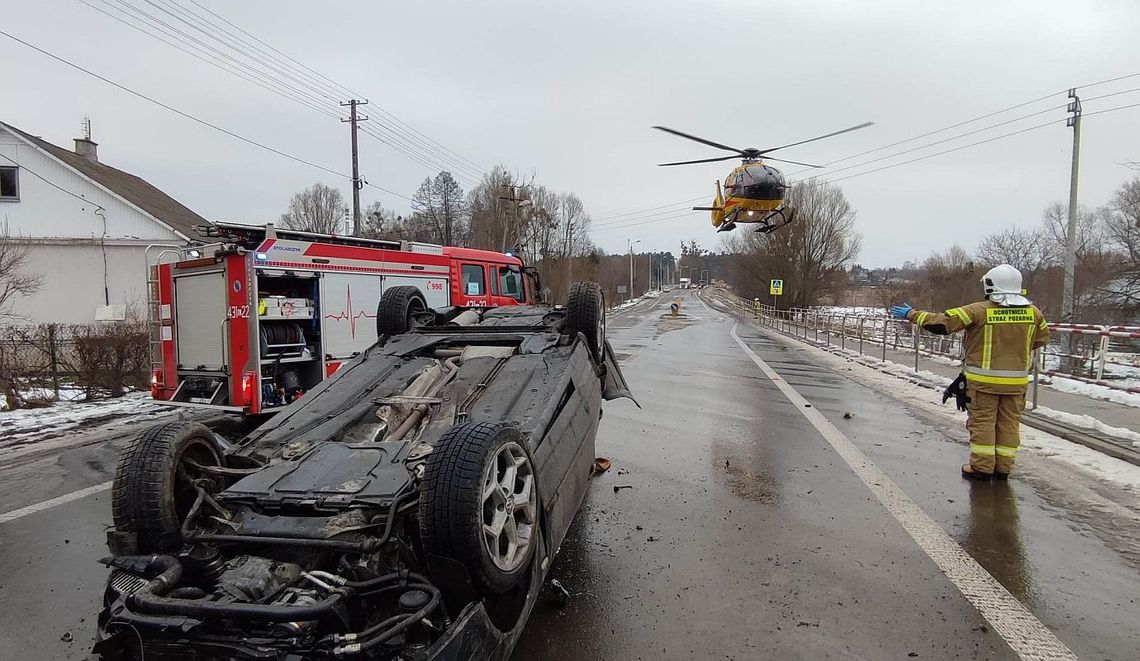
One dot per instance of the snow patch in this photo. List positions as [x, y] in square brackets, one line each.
[1089, 422]
[1092, 390]
[24, 426]
[887, 378]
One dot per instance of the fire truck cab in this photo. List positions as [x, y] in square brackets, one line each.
[252, 321]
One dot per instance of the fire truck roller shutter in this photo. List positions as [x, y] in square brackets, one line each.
[200, 310]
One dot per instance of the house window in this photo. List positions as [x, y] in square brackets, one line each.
[9, 183]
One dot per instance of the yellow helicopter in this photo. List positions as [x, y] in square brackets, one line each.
[753, 191]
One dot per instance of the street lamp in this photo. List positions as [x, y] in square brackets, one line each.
[631, 242]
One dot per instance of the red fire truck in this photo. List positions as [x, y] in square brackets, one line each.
[252, 321]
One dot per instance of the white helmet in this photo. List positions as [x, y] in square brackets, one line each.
[1002, 285]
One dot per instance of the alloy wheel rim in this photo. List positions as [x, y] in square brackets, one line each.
[509, 506]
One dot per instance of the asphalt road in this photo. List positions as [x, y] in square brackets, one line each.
[752, 529]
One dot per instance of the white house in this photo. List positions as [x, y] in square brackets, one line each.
[88, 226]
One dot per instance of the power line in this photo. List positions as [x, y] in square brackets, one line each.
[979, 142]
[930, 133]
[51, 183]
[936, 142]
[219, 64]
[399, 125]
[308, 96]
[187, 115]
[638, 221]
[663, 206]
[344, 90]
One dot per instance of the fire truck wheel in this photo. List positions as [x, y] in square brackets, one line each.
[154, 485]
[586, 314]
[397, 309]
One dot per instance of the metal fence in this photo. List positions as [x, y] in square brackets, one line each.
[46, 363]
[1107, 356]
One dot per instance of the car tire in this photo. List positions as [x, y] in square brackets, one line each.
[464, 497]
[586, 314]
[395, 314]
[148, 498]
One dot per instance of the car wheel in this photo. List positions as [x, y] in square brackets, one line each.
[479, 503]
[586, 314]
[397, 310]
[154, 487]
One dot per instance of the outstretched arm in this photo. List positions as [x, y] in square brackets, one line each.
[939, 323]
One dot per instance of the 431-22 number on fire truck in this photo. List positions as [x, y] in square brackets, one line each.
[238, 312]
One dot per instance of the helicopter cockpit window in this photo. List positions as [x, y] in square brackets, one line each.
[755, 175]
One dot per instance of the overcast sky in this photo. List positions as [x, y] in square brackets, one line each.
[568, 91]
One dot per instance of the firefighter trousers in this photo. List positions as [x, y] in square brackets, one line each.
[994, 422]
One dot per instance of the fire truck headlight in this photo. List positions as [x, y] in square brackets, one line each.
[194, 253]
[261, 256]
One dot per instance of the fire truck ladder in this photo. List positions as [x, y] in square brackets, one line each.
[153, 305]
[251, 236]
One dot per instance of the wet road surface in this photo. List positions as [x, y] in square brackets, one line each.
[745, 535]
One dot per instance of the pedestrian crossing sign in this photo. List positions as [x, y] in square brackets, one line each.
[776, 288]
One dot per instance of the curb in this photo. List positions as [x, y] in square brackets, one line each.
[1086, 437]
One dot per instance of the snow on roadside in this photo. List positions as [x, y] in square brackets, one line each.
[1092, 390]
[1090, 422]
[931, 379]
[24, 425]
[885, 378]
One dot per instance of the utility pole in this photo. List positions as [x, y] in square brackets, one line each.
[513, 196]
[631, 242]
[357, 182]
[1067, 295]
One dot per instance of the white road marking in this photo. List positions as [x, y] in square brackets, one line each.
[54, 502]
[1021, 630]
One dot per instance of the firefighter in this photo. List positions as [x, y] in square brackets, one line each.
[1001, 333]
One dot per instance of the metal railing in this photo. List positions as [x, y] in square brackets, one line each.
[1089, 362]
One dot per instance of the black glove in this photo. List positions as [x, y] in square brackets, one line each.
[957, 390]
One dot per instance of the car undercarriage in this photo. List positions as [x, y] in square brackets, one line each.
[409, 507]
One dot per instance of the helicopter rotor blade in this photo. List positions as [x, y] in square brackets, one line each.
[703, 160]
[784, 160]
[694, 138]
[829, 135]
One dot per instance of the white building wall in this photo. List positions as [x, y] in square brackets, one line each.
[72, 285]
[45, 211]
[68, 239]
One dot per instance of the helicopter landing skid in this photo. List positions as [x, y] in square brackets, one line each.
[726, 226]
[766, 224]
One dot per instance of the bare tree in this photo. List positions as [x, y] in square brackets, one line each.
[1090, 235]
[1122, 228]
[439, 211]
[809, 255]
[499, 210]
[1035, 253]
[381, 223]
[15, 280]
[318, 208]
[950, 278]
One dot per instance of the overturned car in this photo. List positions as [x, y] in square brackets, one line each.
[409, 507]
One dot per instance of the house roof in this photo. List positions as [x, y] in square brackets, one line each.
[133, 189]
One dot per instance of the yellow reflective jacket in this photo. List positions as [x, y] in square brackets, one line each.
[999, 341]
